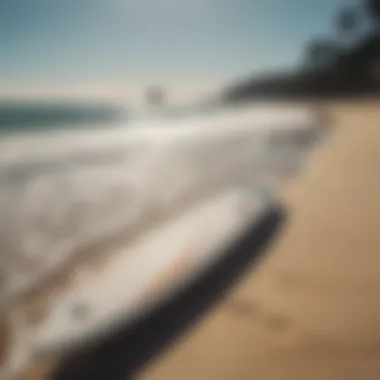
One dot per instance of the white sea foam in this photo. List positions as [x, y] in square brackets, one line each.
[63, 190]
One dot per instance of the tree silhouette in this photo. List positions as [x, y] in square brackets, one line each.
[320, 55]
[346, 23]
[348, 65]
[373, 7]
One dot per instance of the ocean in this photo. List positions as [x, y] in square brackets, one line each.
[29, 116]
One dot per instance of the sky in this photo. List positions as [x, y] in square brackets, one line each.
[118, 47]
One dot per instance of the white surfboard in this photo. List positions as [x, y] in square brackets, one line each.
[140, 276]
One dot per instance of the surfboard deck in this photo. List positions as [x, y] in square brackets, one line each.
[140, 276]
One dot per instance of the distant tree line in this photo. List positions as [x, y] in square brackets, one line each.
[346, 63]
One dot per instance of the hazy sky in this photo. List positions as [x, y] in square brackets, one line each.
[95, 46]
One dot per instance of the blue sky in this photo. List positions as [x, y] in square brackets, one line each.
[113, 44]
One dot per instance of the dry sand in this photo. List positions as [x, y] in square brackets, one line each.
[312, 310]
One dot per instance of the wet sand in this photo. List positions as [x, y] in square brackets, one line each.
[312, 309]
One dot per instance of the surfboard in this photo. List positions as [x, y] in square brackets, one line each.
[160, 263]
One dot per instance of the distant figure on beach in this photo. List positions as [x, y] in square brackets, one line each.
[155, 96]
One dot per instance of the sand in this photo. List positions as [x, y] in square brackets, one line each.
[312, 309]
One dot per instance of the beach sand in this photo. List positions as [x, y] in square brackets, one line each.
[312, 308]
